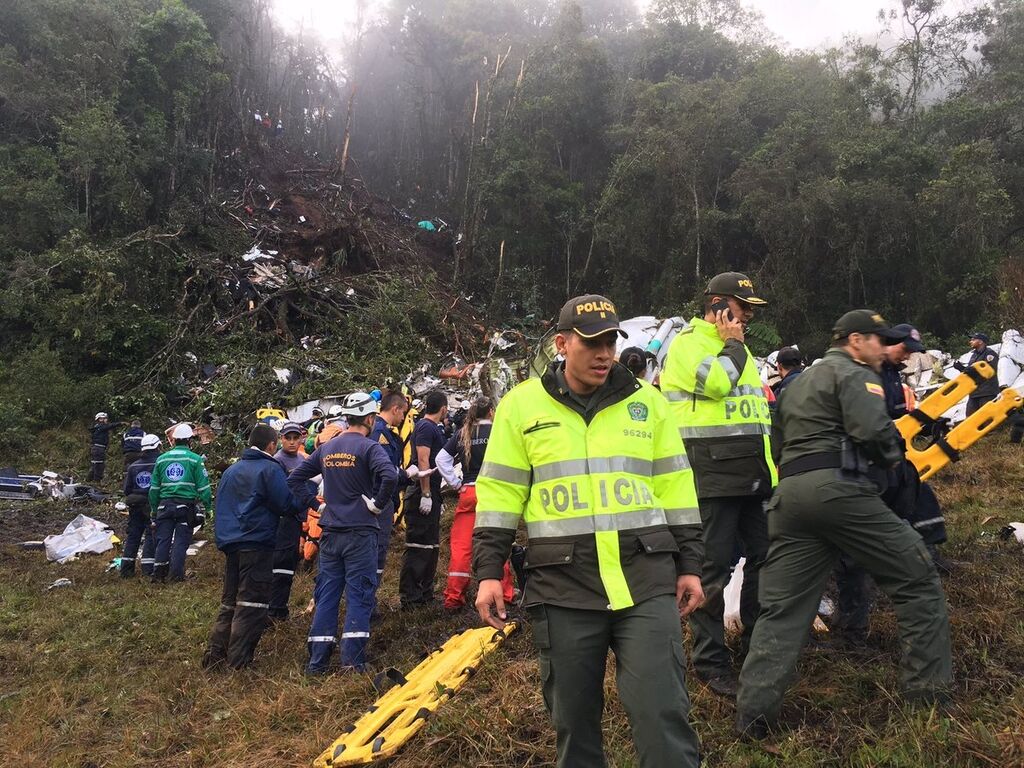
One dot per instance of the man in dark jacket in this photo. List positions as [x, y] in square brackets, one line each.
[790, 364]
[252, 495]
[100, 439]
[359, 483]
[140, 524]
[393, 408]
[989, 388]
[289, 529]
[131, 443]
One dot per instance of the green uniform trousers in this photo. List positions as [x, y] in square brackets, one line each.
[728, 522]
[812, 518]
[650, 673]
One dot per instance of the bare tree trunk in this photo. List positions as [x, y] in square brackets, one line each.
[696, 217]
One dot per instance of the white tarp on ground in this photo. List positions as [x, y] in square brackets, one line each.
[83, 534]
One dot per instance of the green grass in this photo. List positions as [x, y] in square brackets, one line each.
[106, 673]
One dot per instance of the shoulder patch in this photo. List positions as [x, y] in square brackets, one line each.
[382, 440]
[874, 389]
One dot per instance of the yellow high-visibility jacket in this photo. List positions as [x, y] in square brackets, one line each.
[718, 400]
[605, 490]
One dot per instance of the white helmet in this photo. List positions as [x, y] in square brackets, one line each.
[359, 404]
[183, 432]
[101, 415]
[334, 410]
[149, 442]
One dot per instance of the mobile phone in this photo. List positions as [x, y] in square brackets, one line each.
[722, 305]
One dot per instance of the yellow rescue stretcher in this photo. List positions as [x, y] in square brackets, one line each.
[942, 399]
[947, 448]
[404, 709]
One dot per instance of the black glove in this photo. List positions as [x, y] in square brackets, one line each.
[959, 366]
[200, 518]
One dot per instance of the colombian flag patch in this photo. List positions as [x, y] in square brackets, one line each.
[875, 389]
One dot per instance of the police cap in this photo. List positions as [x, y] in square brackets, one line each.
[589, 316]
[734, 284]
[865, 321]
[911, 336]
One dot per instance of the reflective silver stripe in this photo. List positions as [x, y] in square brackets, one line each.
[557, 469]
[683, 516]
[422, 546]
[742, 390]
[506, 474]
[929, 521]
[283, 572]
[579, 526]
[703, 369]
[727, 430]
[670, 464]
[593, 465]
[730, 369]
[146, 560]
[508, 520]
[354, 634]
[380, 571]
[321, 639]
[163, 563]
[460, 574]
[227, 607]
[246, 604]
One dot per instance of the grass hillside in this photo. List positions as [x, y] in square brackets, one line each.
[106, 673]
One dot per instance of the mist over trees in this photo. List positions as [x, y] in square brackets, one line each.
[571, 146]
[639, 156]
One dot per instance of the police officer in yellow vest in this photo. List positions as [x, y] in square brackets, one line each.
[593, 463]
[714, 389]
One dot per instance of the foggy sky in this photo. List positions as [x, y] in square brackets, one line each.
[798, 23]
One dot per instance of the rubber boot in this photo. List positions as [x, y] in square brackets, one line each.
[127, 568]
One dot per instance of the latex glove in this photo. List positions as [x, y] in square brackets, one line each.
[370, 505]
[415, 472]
[321, 508]
[426, 505]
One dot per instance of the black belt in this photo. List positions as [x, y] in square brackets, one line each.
[811, 463]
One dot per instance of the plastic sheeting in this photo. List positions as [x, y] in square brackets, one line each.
[83, 534]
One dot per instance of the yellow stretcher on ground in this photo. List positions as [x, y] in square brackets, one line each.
[404, 709]
[947, 448]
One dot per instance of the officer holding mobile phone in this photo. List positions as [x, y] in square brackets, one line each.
[714, 389]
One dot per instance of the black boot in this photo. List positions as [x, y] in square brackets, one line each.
[160, 573]
[127, 568]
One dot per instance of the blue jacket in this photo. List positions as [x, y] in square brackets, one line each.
[139, 478]
[252, 494]
[352, 466]
[892, 385]
[132, 441]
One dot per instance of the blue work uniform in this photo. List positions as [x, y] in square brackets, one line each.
[352, 466]
[286, 549]
[140, 523]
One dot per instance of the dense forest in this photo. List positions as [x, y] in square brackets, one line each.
[569, 147]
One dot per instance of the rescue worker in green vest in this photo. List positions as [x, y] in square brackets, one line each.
[714, 389]
[594, 464]
[179, 485]
[838, 442]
